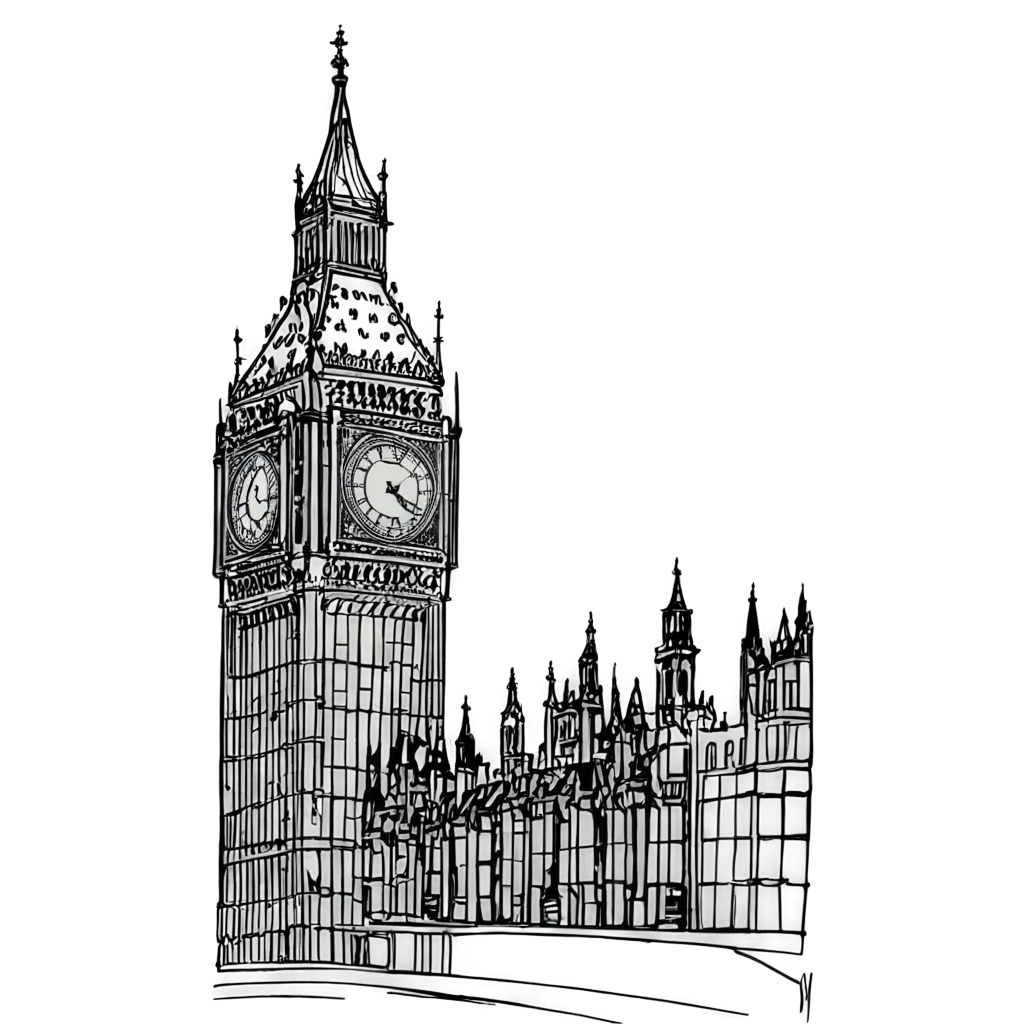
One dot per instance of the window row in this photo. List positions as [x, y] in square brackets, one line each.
[731, 860]
[768, 908]
[776, 816]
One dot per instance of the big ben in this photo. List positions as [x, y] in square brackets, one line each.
[336, 506]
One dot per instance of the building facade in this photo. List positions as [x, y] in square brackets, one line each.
[669, 818]
[336, 503]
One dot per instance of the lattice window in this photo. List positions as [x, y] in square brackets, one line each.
[486, 852]
[374, 654]
[781, 826]
[260, 764]
[617, 865]
[727, 845]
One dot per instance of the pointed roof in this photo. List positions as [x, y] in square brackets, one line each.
[465, 745]
[512, 706]
[554, 688]
[336, 317]
[679, 594]
[753, 635]
[803, 616]
[615, 714]
[589, 645]
[635, 720]
[784, 636]
[340, 176]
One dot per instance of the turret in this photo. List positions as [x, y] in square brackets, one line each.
[676, 657]
[550, 708]
[513, 733]
[591, 698]
[467, 760]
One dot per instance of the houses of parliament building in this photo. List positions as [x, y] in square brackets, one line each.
[669, 818]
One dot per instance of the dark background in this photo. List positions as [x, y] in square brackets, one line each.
[739, 285]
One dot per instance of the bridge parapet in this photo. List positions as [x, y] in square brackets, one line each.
[605, 975]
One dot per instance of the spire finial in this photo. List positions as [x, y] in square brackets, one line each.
[438, 316]
[382, 199]
[753, 635]
[513, 696]
[238, 356]
[298, 179]
[588, 642]
[457, 426]
[678, 581]
[338, 61]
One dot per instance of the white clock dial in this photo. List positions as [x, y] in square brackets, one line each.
[253, 501]
[390, 488]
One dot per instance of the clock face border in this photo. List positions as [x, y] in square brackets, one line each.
[245, 547]
[357, 449]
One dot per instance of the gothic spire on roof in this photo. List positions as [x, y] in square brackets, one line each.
[803, 617]
[675, 616]
[589, 688]
[676, 601]
[616, 708]
[238, 357]
[338, 214]
[634, 719]
[512, 706]
[438, 316]
[590, 648]
[465, 746]
[755, 612]
[340, 177]
[552, 698]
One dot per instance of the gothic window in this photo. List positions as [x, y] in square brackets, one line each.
[711, 758]
[485, 867]
[258, 779]
[792, 693]
[542, 846]
[677, 759]
[583, 865]
[781, 851]
[730, 748]
[461, 857]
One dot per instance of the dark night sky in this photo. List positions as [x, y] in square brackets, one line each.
[870, 444]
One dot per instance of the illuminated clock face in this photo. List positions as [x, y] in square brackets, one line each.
[254, 501]
[390, 488]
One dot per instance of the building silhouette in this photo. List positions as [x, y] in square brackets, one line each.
[645, 819]
[336, 502]
[347, 834]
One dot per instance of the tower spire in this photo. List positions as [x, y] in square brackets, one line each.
[439, 317]
[339, 215]
[588, 663]
[238, 357]
[513, 693]
[753, 635]
[298, 193]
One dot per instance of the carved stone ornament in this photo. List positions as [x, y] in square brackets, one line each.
[354, 547]
[369, 396]
[388, 577]
[259, 581]
[363, 330]
[412, 427]
[287, 349]
[255, 417]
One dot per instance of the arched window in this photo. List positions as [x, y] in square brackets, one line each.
[730, 749]
[711, 758]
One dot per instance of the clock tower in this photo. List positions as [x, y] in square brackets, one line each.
[336, 516]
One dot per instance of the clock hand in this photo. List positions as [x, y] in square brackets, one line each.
[393, 491]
